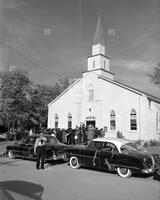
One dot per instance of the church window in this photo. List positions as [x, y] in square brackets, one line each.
[158, 122]
[69, 121]
[91, 93]
[133, 120]
[112, 120]
[56, 121]
[94, 64]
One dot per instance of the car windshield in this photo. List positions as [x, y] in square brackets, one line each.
[132, 147]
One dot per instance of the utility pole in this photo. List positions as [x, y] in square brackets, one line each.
[1, 63]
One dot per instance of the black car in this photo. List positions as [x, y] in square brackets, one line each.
[25, 148]
[113, 154]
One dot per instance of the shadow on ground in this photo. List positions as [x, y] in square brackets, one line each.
[10, 163]
[13, 190]
[55, 162]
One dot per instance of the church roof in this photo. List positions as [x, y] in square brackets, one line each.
[98, 37]
[132, 89]
[67, 89]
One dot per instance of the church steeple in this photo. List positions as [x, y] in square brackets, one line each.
[98, 37]
[99, 62]
[98, 42]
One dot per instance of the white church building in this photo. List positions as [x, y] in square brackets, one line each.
[98, 99]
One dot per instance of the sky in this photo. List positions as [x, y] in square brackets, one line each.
[52, 39]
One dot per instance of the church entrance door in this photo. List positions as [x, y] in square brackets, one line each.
[91, 123]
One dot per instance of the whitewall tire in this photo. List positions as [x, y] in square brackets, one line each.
[74, 163]
[11, 155]
[124, 172]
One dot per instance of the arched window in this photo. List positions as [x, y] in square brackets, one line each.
[94, 64]
[91, 93]
[69, 121]
[112, 120]
[56, 121]
[133, 120]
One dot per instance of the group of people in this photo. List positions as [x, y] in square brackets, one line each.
[79, 135]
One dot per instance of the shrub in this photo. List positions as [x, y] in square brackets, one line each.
[154, 143]
[139, 141]
[145, 144]
[148, 143]
[119, 134]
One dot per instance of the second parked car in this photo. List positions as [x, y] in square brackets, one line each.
[25, 148]
[113, 154]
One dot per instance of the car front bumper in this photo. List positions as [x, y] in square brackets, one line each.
[148, 171]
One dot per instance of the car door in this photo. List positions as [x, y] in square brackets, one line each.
[108, 156]
[27, 147]
[30, 147]
[90, 155]
[21, 149]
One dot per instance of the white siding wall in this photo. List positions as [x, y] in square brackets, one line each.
[69, 102]
[107, 97]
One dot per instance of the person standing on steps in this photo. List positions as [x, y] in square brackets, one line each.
[40, 150]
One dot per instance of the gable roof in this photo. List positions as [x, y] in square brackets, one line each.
[134, 90]
[65, 91]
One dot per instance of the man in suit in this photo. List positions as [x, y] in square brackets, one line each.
[40, 150]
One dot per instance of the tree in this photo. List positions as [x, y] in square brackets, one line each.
[41, 96]
[63, 84]
[155, 77]
[15, 90]
[25, 105]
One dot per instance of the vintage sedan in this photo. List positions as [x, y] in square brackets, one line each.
[112, 154]
[25, 148]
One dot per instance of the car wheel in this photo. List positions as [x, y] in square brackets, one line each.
[74, 162]
[124, 172]
[11, 155]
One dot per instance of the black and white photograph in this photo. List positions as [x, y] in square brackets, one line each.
[79, 99]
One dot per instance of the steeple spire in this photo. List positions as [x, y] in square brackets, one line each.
[98, 61]
[98, 37]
